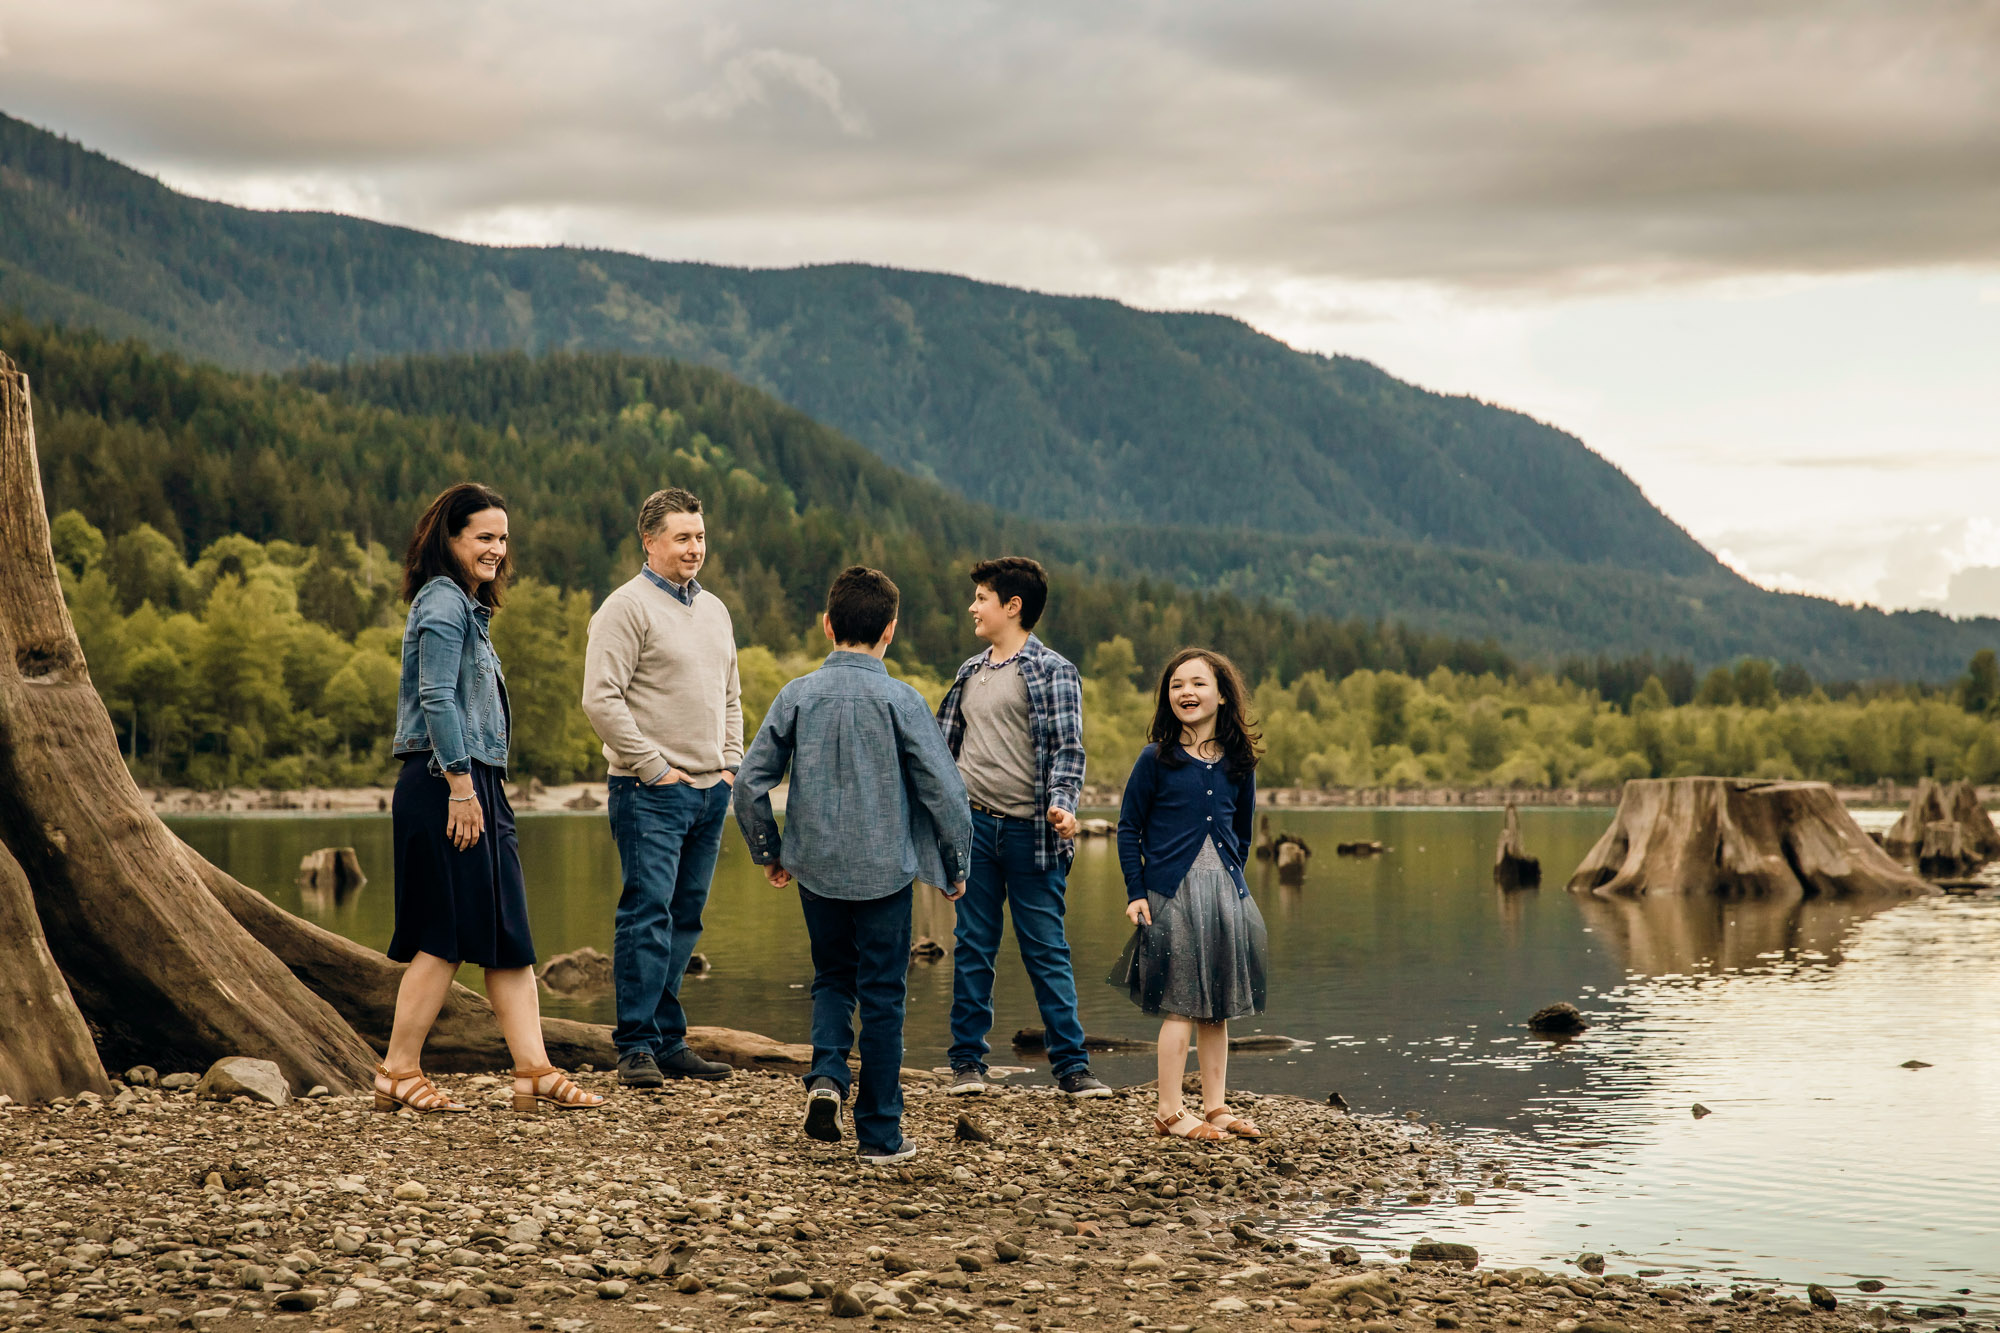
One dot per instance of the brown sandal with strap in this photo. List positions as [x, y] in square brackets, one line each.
[1232, 1123]
[563, 1094]
[1202, 1131]
[424, 1098]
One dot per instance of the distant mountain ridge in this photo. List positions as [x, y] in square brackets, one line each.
[1046, 406]
[1178, 446]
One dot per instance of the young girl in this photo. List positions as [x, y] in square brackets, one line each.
[1197, 957]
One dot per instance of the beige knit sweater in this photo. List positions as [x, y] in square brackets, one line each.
[660, 686]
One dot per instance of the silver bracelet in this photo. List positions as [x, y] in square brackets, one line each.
[473, 797]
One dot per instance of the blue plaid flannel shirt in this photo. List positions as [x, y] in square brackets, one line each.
[1055, 719]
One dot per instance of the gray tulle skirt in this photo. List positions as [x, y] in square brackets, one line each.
[1204, 955]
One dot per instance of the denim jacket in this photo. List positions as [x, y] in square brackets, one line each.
[876, 800]
[453, 698]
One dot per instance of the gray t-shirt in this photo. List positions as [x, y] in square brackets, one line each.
[996, 757]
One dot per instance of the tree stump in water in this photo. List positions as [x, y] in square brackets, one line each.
[1953, 803]
[1513, 868]
[1737, 838]
[1292, 855]
[1944, 852]
[334, 871]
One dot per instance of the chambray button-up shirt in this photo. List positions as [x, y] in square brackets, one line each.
[684, 593]
[876, 800]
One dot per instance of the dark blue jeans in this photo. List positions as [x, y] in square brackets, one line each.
[1004, 875]
[668, 838]
[861, 955]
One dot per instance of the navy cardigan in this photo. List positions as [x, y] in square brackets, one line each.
[1166, 813]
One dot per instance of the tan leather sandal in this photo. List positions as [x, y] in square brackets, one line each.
[1169, 1127]
[1229, 1122]
[422, 1096]
[562, 1094]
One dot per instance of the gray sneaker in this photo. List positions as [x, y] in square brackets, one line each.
[1081, 1085]
[903, 1153]
[638, 1069]
[966, 1081]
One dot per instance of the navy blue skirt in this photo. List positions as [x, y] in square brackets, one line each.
[466, 906]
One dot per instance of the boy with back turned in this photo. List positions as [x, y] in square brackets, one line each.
[875, 804]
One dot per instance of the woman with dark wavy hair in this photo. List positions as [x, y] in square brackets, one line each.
[460, 897]
[1197, 953]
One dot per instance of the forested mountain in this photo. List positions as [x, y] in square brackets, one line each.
[1181, 448]
[167, 459]
[1053, 407]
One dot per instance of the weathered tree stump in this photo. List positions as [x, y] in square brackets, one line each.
[1953, 803]
[1363, 847]
[1292, 855]
[1737, 838]
[1513, 868]
[331, 870]
[151, 959]
[45, 1048]
[1944, 852]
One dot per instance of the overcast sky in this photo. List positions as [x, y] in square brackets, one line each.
[1750, 251]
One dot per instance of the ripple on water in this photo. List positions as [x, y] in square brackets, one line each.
[1823, 1159]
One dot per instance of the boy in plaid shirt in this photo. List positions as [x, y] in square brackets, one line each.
[1014, 722]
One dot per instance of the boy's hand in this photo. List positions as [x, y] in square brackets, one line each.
[954, 893]
[1064, 823]
[1139, 912]
[777, 875]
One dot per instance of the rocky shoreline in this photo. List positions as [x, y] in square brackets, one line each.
[702, 1207]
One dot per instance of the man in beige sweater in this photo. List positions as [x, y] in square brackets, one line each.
[660, 689]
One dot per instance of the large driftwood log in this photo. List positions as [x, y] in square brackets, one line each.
[1945, 803]
[160, 970]
[361, 985]
[1737, 838]
[45, 1048]
[1513, 868]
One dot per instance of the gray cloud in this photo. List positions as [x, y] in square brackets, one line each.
[1546, 145]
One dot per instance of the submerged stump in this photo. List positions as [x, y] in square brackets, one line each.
[1737, 838]
[1944, 852]
[334, 871]
[1945, 803]
[1513, 868]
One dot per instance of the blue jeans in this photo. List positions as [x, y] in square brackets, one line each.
[1004, 874]
[668, 838]
[861, 955]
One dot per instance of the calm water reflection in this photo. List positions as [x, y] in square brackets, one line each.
[1410, 976]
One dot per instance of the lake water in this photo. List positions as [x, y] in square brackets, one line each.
[1824, 1160]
